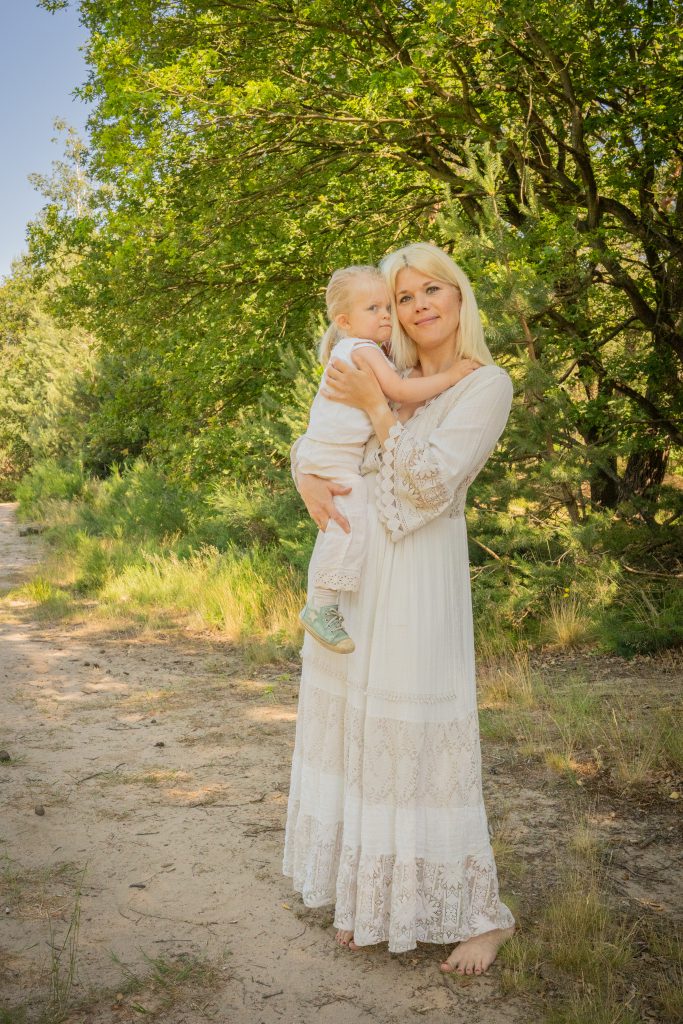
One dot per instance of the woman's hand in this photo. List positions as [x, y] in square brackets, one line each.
[352, 385]
[317, 496]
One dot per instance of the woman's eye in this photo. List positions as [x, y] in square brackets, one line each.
[432, 288]
[404, 298]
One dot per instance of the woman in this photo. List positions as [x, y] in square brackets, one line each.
[386, 816]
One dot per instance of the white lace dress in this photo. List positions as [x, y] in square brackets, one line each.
[385, 815]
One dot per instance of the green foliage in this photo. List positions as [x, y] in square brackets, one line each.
[47, 482]
[45, 379]
[535, 148]
[643, 618]
[165, 319]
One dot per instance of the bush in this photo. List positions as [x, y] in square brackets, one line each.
[47, 482]
[643, 618]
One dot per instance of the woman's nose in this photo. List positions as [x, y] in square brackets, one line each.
[421, 301]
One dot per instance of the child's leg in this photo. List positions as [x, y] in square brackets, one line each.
[340, 556]
[331, 573]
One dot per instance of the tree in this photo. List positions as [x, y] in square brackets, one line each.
[251, 148]
[46, 367]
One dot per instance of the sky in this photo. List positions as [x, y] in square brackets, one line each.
[40, 66]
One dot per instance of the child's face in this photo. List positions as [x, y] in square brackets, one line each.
[369, 312]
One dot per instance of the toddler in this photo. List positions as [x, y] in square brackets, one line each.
[359, 311]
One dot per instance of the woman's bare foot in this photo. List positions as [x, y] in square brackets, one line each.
[477, 954]
[346, 939]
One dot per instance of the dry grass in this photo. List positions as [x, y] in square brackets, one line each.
[38, 893]
[168, 983]
[667, 948]
[508, 681]
[575, 725]
[567, 624]
[581, 962]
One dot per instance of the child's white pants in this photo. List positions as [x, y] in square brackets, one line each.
[339, 555]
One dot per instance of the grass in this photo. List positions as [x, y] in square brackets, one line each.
[250, 599]
[41, 892]
[32, 893]
[577, 727]
[51, 601]
[507, 681]
[168, 982]
[63, 962]
[584, 959]
[567, 623]
[667, 948]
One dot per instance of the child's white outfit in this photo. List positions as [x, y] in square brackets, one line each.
[332, 448]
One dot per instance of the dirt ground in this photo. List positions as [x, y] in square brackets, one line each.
[162, 768]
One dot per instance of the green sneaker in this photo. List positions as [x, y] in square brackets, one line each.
[327, 626]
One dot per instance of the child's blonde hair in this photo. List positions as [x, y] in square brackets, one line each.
[337, 298]
[437, 264]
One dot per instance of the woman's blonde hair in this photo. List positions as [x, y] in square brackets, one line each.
[439, 266]
[337, 296]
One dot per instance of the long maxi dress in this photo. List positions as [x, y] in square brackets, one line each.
[385, 816]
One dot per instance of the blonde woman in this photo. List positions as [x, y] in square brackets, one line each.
[386, 816]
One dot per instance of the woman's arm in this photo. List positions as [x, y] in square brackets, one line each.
[424, 478]
[411, 389]
[317, 495]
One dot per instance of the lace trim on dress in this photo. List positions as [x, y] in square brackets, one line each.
[410, 488]
[382, 899]
[400, 761]
[336, 579]
[312, 851]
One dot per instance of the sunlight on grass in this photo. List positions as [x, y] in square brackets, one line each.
[567, 624]
[50, 600]
[507, 681]
[248, 598]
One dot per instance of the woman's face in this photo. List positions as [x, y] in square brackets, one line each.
[428, 309]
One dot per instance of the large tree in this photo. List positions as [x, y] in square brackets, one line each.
[246, 149]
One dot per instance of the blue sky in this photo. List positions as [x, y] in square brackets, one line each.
[40, 66]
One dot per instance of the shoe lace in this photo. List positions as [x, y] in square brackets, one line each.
[333, 618]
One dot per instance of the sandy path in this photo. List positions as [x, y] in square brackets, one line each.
[163, 770]
[163, 765]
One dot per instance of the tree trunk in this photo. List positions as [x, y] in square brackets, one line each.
[644, 474]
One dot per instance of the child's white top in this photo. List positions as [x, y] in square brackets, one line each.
[334, 422]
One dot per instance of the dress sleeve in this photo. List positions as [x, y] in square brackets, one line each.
[420, 479]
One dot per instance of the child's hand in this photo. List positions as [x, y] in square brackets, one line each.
[463, 367]
[354, 385]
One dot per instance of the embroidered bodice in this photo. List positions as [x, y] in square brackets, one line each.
[425, 466]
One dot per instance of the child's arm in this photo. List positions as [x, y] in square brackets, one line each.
[412, 389]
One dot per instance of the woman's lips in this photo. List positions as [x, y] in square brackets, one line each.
[427, 320]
